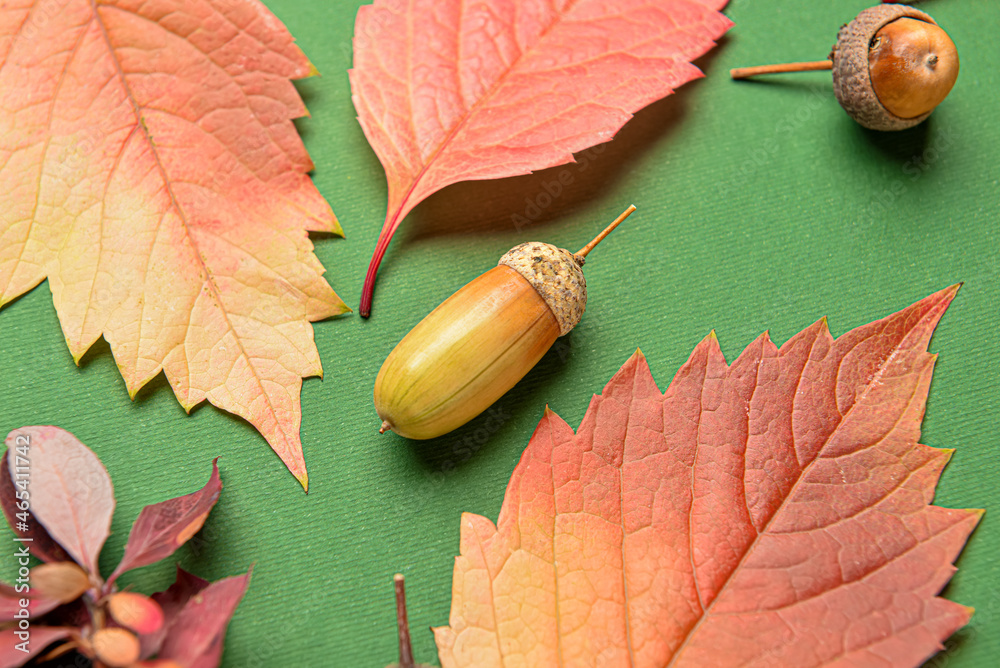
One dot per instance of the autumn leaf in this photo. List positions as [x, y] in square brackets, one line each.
[453, 90]
[38, 639]
[10, 604]
[150, 170]
[18, 514]
[70, 495]
[172, 602]
[70, 490]
[197, 632]
[774, 512]
[163, 527]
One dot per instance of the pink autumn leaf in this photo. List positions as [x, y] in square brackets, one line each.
[163, 527]
[195, 636]
[10, 604]
[40, 638]
[38, 540]
[456, 90]
[71, 492]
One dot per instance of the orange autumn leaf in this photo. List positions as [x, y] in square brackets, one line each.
[775, 512]
[149, 168]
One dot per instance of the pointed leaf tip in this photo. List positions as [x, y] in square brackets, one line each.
[197, 631]
[163, 527]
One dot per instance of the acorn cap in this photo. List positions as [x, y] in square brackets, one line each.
[556, 275]
[851, 77]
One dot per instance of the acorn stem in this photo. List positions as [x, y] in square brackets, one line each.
[402, 624]
[744, 72]
[607, 230]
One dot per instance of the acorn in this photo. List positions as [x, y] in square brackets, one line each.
[892, 65]
[475, 346]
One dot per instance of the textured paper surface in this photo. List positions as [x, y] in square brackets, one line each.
[761, 206]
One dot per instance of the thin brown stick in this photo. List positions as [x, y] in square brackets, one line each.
[607, 230]
[65, 648]
[402, 624]
[744, 72]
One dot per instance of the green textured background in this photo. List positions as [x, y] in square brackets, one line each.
[761, 206]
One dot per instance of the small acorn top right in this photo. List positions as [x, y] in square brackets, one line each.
[892, 65]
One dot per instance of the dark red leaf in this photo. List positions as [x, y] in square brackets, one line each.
[161, 528]
[195, 638]
[70, 490]
[171, 601]
[40, 638]
[10, 604]
[37, 539]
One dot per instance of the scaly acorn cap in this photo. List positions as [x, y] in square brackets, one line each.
[851, 76]
[556, 275]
